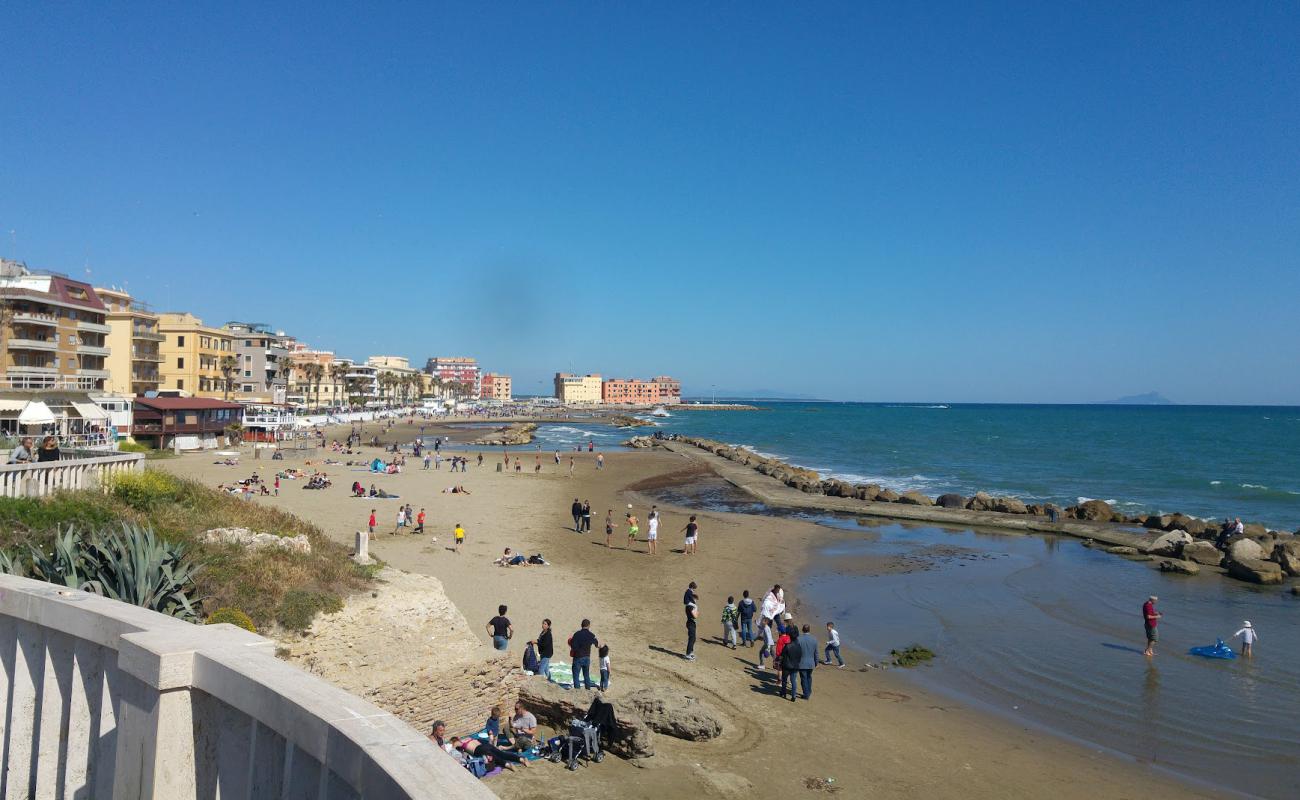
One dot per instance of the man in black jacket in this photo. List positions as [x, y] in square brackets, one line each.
[791, 655]
[545, 649]
[577, 515]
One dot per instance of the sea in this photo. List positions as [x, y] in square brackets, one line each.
[1037, 628]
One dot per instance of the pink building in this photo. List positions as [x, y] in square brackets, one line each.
[456, 371]
[631, 391]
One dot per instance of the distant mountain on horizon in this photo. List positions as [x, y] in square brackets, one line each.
[757, 394]
[1148, 399]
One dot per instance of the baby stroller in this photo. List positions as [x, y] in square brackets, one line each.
[584, 736]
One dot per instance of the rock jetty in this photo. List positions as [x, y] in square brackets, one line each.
[1182, 543]
[509, 435]
[629, 421]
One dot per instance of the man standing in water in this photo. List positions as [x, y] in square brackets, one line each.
[1151, 618]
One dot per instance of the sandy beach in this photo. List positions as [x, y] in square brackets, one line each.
[873, 731]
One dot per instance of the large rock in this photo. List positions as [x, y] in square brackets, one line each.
[257, 541]
[834, 487]
[1178, 566]
[672, 713]
[1097, 510]
[1254, 530]
[915, 499]
[1121, 550]
[887, 496]
[1009, 505]
[1255, 571]
[1160, 522]
[950, 501]
[1170, 544]
[1245, 550]
[1287, 556]
[1202, 553]
[981, 501]
[631, 738]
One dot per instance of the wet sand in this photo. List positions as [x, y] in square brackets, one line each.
[874, 732]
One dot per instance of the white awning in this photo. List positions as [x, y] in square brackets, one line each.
[90, 411]
[36, 413]
[12, 405]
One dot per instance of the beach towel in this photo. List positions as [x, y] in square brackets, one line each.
[562, 673]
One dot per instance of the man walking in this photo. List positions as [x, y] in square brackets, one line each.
[1151, 618]
[789, 656]
[692, 530]
[692, 614]
[586, 516]
[419, 522]
[807, 661]
[580, 643]
[545, 649]
[500, 629]
[576, 509]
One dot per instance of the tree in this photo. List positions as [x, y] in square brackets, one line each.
[338, 374]
[227, 365]
[312, 373]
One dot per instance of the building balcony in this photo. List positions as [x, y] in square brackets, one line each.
[147, 335]
[92, 350]
[41, 378]
[93, 373]
[94, 327]
[32, 369]
[33, 344]
[35, 318]
[155, 357]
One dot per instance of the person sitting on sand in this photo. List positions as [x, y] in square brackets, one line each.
[511, 559]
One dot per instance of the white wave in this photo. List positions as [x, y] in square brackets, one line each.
[1252, 486]
[1215, 483]
[1107, 502]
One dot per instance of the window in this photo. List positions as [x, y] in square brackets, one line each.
[180, 384]
[180, 341]
[248, 359]
[180, 363]
[248, 387]
[248, 374]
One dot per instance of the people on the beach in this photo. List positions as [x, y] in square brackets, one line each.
[730, 618]
[773, 606]
[503, 758]
[1248, 636]
[768, 648]
[833, 644]
[580, 644]
[1150, 619]
[692, 531]
[523, 726]
[807, 660]
[22, 454]
[652, 529]
[419, 522]
[373, 522]
[586, 516]
[576, 510]
[747, 609]
[633, 528]
[493, 725]
[609, 526]
[604, 667]
[690, 595]
[692, 614]
[545, 649]
[787, 658]
[500, 629]
[600, 461]
[459, 534]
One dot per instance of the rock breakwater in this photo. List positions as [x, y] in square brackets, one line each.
[509, 435]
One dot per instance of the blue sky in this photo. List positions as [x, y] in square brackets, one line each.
[1033, 202]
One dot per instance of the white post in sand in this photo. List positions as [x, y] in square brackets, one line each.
[362, 554]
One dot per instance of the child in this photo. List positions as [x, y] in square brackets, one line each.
[729, 615]
[460, 537]
[1248, 637]
[401, 519]
[747, 608]
[277, 485]
[632, 529]
[767, 649]
[833, 644]
[604, 667]
[419, 522]
[493, 725]
[372, 523]
[609, 526]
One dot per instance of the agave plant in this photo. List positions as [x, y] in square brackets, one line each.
[12, 564]
[137, 567]
[68, 561]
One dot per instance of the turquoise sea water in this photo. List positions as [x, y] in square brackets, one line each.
[1208, 461]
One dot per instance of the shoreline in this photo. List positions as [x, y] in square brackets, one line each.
[920, 743]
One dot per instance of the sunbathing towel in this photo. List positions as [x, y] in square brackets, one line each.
[561, 673]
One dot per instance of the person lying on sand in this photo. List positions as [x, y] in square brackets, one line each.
[511, 559]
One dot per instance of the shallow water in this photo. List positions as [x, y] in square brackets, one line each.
[1049, 632]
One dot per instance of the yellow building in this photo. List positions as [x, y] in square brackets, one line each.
[196, 359]
[577, 388]
[495, 386]
[52, 331]
[133, 340]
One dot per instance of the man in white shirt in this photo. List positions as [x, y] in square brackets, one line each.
[653, 536]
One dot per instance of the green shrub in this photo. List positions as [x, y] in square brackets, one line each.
[299, 608]
[133, 447]
[233, 616]
[911, 656]
[22, 516]
[146, 490]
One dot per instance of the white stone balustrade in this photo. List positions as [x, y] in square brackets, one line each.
[108, 700]
[40, 479]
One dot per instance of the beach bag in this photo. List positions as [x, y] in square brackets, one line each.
[477, 765]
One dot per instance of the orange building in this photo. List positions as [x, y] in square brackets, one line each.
[495, 387]
[631, 391]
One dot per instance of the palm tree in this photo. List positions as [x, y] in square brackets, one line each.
[338, 374]
[312, 372]
[227, 365]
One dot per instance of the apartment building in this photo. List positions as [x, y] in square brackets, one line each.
[52, 331]
[577, 388]
[495, 387]
[456, 371]
[133, 342]
[262, 375]
[318, 378]
[197, 359]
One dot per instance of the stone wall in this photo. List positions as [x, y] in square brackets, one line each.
[462, 697]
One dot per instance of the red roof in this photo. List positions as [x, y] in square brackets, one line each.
[184, 403]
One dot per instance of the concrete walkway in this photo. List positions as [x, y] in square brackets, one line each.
[774, 493]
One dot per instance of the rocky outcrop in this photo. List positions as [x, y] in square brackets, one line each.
[1245, 550]
[1255, 571]
[1287, 556]
[1178, 566]
[509, 436]
[1170, 544]
[981, 501]
[672, 713]
[915, 499]
[1095, 510]
[257, 541]
[950, 501]
[1009, 505]
[627, 421]
[631, 738]
[1120, 550]
[1202, 553]
[887, 496]
[639, 442]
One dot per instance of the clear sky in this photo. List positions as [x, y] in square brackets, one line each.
[1032, 202]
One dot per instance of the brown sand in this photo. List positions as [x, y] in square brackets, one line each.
[874, 732]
